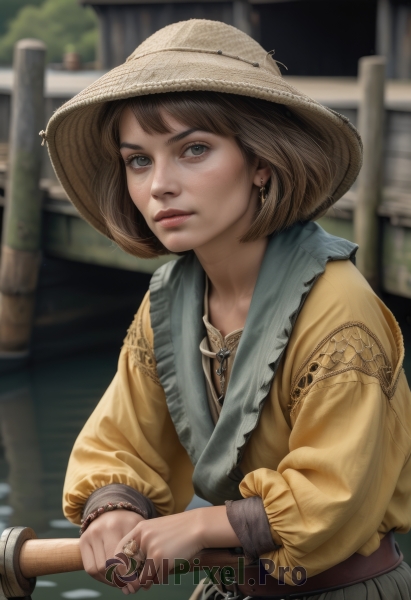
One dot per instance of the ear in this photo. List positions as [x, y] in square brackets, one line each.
[262, 172]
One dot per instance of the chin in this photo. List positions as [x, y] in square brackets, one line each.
[177, 244]
[177, 248]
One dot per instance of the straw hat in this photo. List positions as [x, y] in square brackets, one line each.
[188, 56]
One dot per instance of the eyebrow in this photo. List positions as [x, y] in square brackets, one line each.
[173, 140]
[180, 136]
[131, 146]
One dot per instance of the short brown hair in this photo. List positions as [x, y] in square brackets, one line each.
[297, 152]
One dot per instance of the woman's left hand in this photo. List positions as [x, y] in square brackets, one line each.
[180, 536]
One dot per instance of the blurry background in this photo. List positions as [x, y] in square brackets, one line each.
[311, 37]
[88, 290]
[63, 25]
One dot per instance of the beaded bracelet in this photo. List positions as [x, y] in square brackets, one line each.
[107, 508]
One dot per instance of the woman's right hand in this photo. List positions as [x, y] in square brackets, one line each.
[98, 542]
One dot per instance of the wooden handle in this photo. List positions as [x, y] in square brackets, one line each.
[48, 557]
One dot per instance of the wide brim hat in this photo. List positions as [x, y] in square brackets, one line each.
[191, 55]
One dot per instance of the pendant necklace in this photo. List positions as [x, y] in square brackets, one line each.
[222, 356]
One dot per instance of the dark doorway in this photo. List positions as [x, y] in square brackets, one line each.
[319, 37]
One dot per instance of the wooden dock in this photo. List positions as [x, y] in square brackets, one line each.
[68, 237]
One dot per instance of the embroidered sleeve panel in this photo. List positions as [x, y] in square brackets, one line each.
[141, 350]
[352, 346]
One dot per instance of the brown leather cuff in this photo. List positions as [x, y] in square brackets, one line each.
[249, 520]
[120, 492]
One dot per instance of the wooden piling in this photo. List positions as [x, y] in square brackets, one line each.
[20, 256]
[385, 30]
[371, 127]
[242, 15]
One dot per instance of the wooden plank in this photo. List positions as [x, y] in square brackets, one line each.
[72, 238]
[399, 143]
[396, 251]
[339, 93]
[396, 259]
[398, 172]
[4, 117]
[339, 227]
[396, 205]
[399, 121]
[59, 84]
[397, 160]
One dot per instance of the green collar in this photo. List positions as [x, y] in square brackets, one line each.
[293, 261]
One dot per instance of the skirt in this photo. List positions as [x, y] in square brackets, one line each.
[395, 585]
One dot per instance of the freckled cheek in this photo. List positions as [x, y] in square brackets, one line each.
[139, 195]
[231, 182]
[233, 174]
[217, 181]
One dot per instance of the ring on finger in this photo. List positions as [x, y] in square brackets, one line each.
[130, 548]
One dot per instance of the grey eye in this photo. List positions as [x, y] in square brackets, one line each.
[197, 150]
[140, 161]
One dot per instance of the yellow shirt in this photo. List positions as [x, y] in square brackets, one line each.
[330, 457]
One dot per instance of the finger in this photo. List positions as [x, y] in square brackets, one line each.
[145, 576]
[89, 560]
[134, 534]
[133, 586]
[87, 557]
[134, 583]
[101, 556]
[126, 573]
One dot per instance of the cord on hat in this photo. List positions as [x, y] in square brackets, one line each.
[201, 50]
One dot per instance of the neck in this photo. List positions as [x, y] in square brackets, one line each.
[232, 268]
[235, 272]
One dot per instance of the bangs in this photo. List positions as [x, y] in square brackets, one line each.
[199, 110]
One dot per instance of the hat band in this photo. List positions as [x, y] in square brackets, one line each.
[200, 50]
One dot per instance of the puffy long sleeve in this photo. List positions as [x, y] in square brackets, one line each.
[339, 473]
[130, 438]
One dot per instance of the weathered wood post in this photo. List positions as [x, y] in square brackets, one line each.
[371, 128]
[242, 15]
[385, 34]
[20, 255]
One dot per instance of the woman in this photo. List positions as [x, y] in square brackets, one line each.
[261, 370]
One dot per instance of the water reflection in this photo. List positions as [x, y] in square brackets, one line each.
[22, 455]
[42, 409]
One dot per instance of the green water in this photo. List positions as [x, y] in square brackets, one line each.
[42, 410]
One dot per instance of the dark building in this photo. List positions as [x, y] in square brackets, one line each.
[311, 37]
[124, 24]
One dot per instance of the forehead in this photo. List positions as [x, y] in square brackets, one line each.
[129, 124]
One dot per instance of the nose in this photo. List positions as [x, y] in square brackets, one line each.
[165, 182]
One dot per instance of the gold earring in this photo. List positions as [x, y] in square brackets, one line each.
[263, 195]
